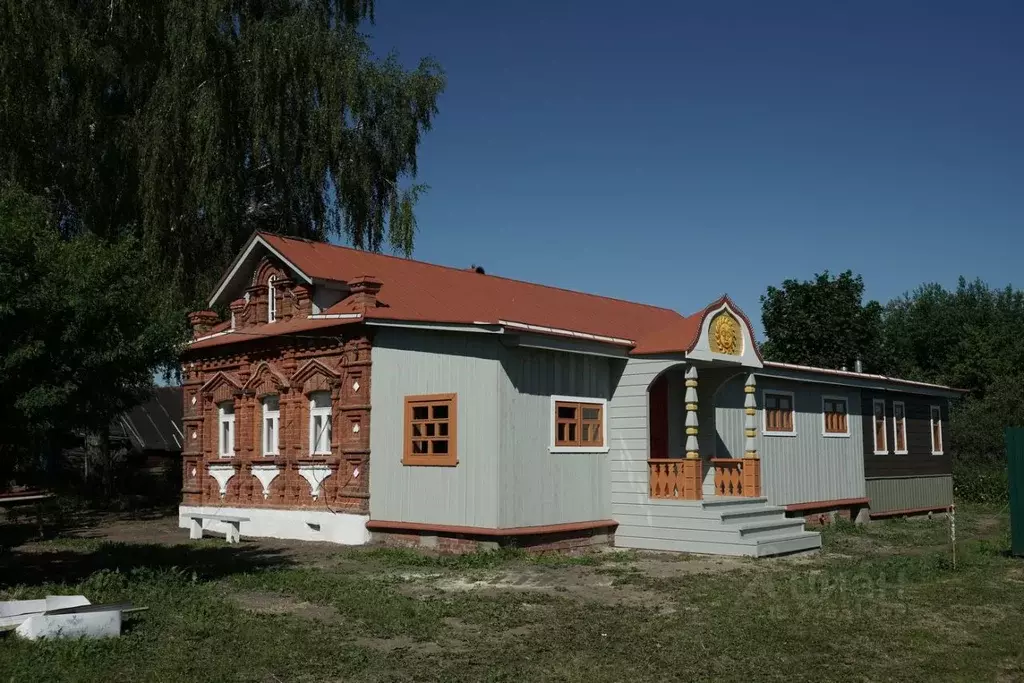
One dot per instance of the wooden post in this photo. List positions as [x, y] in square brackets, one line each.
[751, 461]
[693, 479]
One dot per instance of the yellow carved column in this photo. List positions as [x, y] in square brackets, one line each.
[693, 471]
[751, 462]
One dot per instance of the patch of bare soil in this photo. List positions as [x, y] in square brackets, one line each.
[420, 647]
[272, 603]
[672, 567]
[608, 584]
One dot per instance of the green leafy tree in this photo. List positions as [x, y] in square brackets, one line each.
[190, 123]
[822, 322]
[971, 338]
[83, 323]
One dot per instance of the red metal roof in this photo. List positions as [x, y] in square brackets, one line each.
[425, 292]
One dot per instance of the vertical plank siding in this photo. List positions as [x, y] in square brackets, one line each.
[806, 467]
[629, 447]
[918, 461]
[537, 487]
[410, 362]
[910, 493]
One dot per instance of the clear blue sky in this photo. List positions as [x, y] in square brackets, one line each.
[678, 150]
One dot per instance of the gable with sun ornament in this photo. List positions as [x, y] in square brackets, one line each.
[724, 335]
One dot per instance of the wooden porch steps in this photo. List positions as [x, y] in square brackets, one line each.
[717, 526]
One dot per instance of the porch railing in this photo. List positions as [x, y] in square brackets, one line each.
[737, 477]
[674, 478]
[728, 476]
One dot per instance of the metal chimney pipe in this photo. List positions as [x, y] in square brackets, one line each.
[858, 366]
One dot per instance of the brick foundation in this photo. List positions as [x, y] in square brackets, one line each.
[575, 540]
[825, 512]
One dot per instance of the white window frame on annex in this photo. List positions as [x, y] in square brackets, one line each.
[895, 429]
[225, 447]
[274, 417]
[764, 411]
[315, 411]
[931, 429]
[846, 402]
[885, 427]
[553, 426]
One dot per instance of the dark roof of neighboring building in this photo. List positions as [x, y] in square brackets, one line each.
[156, 424]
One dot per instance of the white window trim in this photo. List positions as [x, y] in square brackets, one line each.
[552, 416]
[931, 425]
[274, 415]
[764, 411]
[895, 427]
[313, 437]
[271, 300]
[222, 419]
[839, 435]
[885, 427]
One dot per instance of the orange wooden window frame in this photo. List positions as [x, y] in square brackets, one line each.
[432, 424]
[836, 420]
[574, 426]
[778, 419]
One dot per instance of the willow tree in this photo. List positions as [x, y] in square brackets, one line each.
[190, 123]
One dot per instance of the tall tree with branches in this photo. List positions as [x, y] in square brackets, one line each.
[189, 123]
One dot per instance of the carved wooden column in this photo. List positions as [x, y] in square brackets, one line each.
[751, 461]
[693, 470]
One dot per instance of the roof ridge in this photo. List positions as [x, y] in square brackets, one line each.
[462, 270]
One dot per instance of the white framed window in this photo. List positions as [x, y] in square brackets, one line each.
[778, 414]
[271, 300]
[320, 423]
[899, 427]
[881, 431]
[271, 424]
[578, 425]
[226, 432]
[935, 413]
[835, 419]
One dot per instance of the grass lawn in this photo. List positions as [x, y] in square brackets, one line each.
[880, 603]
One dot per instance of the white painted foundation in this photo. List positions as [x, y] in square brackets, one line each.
[300, 525]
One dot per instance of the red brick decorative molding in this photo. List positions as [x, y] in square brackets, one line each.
[289, 367]
[265, 379]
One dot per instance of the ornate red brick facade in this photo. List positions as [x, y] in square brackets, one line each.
[290, 366]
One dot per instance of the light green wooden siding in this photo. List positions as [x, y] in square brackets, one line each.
[538, 487]
[409, 362]
[628, 428]
[804, 468]
[910, 493]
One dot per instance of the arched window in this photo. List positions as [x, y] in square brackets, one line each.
[271, 301]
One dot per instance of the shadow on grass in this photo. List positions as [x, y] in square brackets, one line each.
[56, 519]
[78, 559]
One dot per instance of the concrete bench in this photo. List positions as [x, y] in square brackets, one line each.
[233, 533]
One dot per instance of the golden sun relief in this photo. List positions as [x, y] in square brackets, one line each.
[724, 335]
